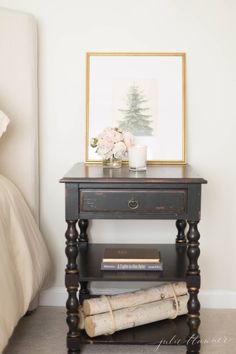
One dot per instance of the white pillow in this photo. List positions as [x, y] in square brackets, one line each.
[4, 120]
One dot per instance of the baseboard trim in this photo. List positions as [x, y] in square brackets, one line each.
[218, 299]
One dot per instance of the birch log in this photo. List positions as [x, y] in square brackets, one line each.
[109, 322]
[81, 317]
[100, 305]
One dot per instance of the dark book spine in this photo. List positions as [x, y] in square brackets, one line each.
[132, 266]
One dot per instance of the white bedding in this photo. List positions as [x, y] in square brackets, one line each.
[24, 259]
[19, 101]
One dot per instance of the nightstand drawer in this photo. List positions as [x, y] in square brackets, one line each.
[170, 201]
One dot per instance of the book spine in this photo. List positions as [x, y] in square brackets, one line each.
[131, 266]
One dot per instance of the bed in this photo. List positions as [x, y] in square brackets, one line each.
[24, 259]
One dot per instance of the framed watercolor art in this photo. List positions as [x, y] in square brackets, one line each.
[143, 93]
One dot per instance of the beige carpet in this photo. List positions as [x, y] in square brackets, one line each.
[44, 333]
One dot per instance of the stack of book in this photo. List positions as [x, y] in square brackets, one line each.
[133, 259]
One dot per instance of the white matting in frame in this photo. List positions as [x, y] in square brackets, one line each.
[150, 84]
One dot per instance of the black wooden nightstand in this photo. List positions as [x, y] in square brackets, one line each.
[162, 192]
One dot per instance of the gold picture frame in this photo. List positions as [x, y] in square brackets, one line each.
[162, 78]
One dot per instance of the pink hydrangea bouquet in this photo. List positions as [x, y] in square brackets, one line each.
[112, 143]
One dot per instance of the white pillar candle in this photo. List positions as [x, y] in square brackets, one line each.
[137, 157]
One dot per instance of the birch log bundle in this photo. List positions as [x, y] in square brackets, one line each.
[100, 305]
[108, 323]
[107, 314]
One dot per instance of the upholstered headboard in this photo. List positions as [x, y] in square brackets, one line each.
[19, 100]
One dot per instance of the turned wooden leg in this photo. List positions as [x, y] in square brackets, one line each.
[83, 238]
[193, 284]
[71, 281]
[181, 225]
[83, 225]
[84, 291]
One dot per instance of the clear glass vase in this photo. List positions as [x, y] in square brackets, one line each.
[112, 162]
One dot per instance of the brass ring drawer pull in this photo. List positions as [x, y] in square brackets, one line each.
[133, 204]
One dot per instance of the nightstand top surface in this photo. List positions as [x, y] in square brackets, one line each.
[86, 173]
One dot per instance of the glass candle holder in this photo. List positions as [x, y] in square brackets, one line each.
[137, 157]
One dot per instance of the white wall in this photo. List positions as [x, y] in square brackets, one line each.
[206, 31]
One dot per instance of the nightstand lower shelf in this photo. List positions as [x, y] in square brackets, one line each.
[169, 332]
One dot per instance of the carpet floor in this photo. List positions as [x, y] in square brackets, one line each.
[43, 332]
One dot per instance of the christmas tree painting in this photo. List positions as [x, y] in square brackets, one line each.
[135, 118]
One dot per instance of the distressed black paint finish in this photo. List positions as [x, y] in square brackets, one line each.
[162, 192]
[181, 225]
[71, 281]
[94, 173]
[193, 253]
[83, 225]
[136, 201]
[84, 291]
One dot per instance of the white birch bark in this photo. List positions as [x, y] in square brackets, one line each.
[109, 322]
[100, 305]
